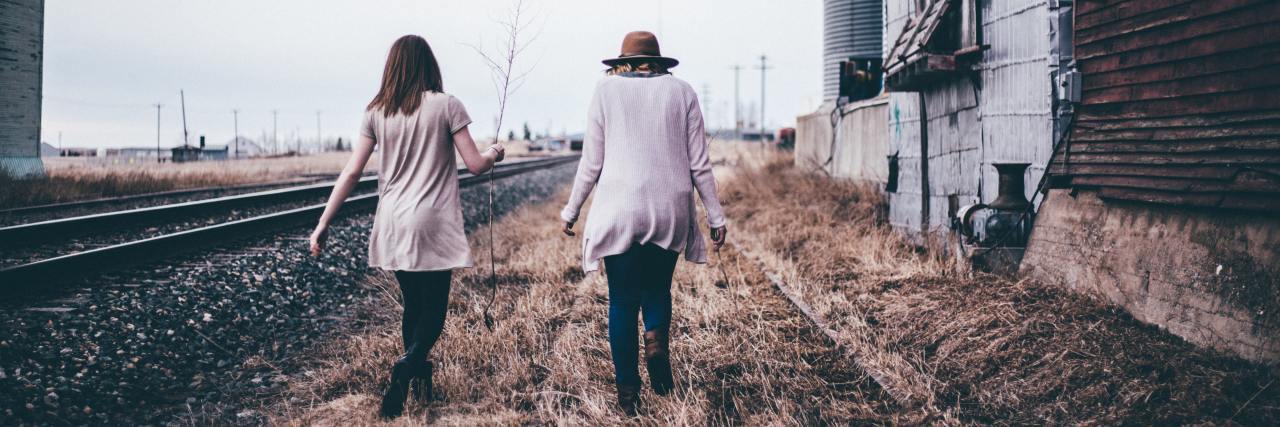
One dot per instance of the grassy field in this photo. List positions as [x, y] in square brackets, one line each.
[951, 346]
[83, 178]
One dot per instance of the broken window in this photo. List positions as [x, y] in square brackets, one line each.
[942, 41]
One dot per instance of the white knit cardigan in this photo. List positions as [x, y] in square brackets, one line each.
[646, 149]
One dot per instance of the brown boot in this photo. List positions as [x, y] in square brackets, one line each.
[657, 355]
[629, 398]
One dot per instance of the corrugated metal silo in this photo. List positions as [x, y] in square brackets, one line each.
[852, 28]
[21, 59]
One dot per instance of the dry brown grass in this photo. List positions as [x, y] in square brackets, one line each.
[954, 346]
[81, 178]
[979, 347]
[742, 354]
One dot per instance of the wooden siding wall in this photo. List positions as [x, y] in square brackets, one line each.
[1181, 103]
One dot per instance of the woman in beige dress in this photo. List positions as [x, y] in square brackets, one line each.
[417, 229]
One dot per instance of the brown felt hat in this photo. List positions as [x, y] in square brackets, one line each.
[641, 45]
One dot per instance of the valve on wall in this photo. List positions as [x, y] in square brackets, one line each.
[1009, 222]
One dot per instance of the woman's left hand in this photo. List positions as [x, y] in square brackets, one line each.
[568, 229]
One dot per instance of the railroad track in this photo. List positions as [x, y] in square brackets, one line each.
[42, 274]
[64, 208]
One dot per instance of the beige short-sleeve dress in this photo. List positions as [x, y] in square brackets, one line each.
[418, 224]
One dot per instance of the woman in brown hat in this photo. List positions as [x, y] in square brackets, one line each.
[417, 229]
[646, 150]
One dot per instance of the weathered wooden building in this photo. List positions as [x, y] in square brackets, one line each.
[21, 59]
[1164, 198]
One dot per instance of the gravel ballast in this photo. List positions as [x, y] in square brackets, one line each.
[193, 337]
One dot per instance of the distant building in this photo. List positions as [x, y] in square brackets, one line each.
[549, 144]
[245, 147]
[575, 141]
[48, 150]
[148, 152]
[189, 153]
[132, 155]
[21, 62]
[756, 135]
[79, 152]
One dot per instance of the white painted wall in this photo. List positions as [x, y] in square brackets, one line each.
[859, 145]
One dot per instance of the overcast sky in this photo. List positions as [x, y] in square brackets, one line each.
[107, 62]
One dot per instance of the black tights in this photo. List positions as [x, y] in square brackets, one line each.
[426, 301]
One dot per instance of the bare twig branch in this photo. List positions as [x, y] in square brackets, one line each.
[506, 81]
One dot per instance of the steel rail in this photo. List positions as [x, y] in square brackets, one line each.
[44, 275]
[80, 204]
[31, 234]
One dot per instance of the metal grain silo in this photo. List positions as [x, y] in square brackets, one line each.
[851, 29]
[21, 57]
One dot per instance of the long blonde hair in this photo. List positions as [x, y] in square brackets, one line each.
[637, 66]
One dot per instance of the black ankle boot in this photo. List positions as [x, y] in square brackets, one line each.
[629, 399]
[657, 356]
[398, 390]
[421, 389]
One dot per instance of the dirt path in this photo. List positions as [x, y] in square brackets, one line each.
[742, 353]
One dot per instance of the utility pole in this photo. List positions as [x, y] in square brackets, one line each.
[275, 132]
[158, 105]
[659, 16]
[235, 117]
[185, 140]
[706, 103]
[764, 66]
[319, 136]
[737, 105]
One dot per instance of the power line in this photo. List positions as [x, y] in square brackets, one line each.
[275, 132]
[737, 104]
[186, 140]
[158, 105]
[235, 117]
[319, 135]
[764, 67]
[706, 102]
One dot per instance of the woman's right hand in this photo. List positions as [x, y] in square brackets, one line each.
[496, 152]
[317, 239]
[568, 229]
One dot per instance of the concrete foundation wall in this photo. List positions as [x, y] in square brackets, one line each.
[1210, 277]
[21, 59]
[859, 145]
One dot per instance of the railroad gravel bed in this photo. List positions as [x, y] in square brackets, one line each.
[200, 334]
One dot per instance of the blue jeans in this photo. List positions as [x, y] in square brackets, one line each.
[639, 280]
